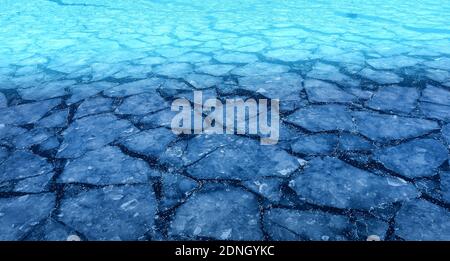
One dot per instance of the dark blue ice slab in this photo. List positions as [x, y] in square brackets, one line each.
[150, 143]
[3, 101]
[385, 127]
[319, 91]
[446, 133]
[413, 159]
[106, 166]
[222, 214]
[94, 106]
[27, 113]
[318, 144]
[349, 142]
[56, 119]
[142, 104]
[394, 99]
[288, 224]
[422, 220]
[333, 117]
[176, 188]
[436, 95]
[32, 137]
[331, 182]
[244, 159]
[20, 214]
[23, 164]
[127, 212]
[92, 133]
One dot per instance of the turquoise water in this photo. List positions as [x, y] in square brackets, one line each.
[97, 39]
[86, 147]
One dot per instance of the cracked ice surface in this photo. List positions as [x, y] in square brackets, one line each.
[86, 149]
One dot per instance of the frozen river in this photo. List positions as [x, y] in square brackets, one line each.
[86, 147]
